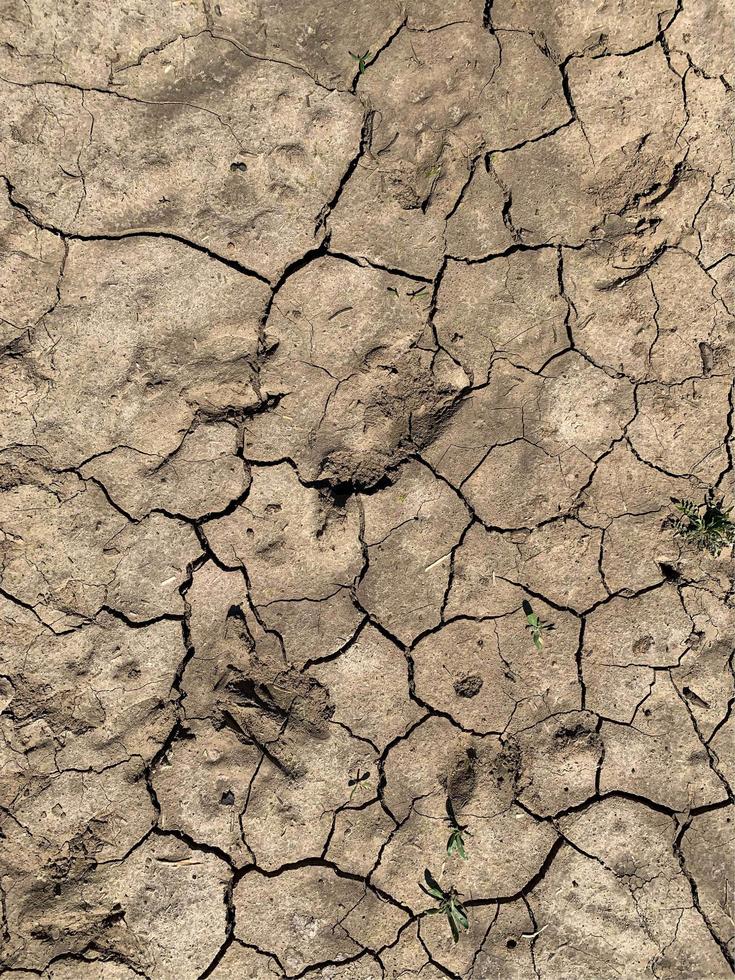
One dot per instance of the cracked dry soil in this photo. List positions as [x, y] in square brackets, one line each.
[331, 333]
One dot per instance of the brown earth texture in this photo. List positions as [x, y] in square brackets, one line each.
[351, 354]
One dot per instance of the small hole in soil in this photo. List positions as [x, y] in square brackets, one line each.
[340, 494]
[511, 944]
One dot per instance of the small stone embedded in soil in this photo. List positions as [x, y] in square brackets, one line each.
[469, 686]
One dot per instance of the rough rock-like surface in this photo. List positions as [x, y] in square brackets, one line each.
[332, 336]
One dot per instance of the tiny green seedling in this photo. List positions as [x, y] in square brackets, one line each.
[708, 526]
[360, 59]
[455, 843]
[535, 625]
[448, 904]
[354, 781]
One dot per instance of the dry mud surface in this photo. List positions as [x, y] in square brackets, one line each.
[331, 332]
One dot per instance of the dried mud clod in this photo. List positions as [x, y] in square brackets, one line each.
[366, 490]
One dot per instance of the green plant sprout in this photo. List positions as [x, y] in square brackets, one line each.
[354, 781]
[455, 843]
[448, 904]
[535, 624]
[708, 526]
[360, 59]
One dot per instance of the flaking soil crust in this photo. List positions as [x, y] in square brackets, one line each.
[350, 357]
